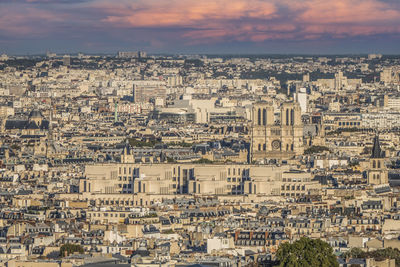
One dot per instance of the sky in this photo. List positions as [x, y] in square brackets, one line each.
[200, 26]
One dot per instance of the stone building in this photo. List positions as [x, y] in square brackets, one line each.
[377, 172]
[147, 182]
[280, 138]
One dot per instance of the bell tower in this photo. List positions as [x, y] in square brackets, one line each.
[276, 138]
[377, 172]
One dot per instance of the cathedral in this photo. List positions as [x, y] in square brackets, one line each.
[278, 138]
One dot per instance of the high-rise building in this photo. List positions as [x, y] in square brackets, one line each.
[339, 80]
[66, 60]
[306, 77]
[127, 54]
[142, 54]
[132, 54]
[50, 54]
[301, 98]
[144, 91]
[386, 75]
[273, 139]
[374, 56]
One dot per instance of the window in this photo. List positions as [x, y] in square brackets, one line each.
[287, 116]
[264, 116]
[292, 117]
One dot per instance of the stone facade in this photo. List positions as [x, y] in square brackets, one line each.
[278, 139]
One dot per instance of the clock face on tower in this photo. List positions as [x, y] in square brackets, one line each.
[276, 144]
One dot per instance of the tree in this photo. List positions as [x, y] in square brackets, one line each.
[315, 149]
[203, 161]
[68, 249]
[355, 253]
[378, 255]
[306, 252]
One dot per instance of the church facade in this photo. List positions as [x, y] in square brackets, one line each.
[274, 137]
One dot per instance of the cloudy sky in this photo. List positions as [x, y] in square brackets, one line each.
[200, 26]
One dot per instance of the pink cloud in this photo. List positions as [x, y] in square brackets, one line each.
[207, 21]
[28, 20]
[188, 13]
[346, 11]
[255, 20]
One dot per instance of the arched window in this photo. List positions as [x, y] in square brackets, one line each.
[264, 147]
[259, 117]
[292, 117]
[264, 116]
[259, 147]
[379, 164]
[287, 116]
[374, 164]
[255, 189]
[291, 147]
[287, 147]
[378, 176]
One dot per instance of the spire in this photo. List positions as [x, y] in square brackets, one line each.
[376, 149]
[127, 148]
